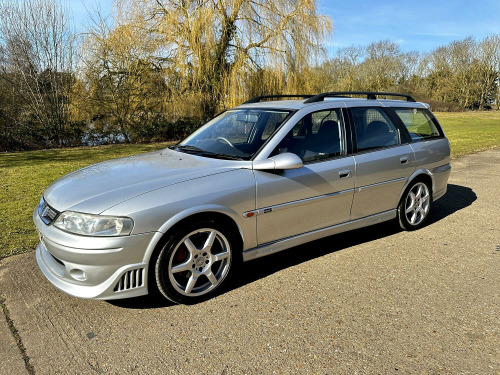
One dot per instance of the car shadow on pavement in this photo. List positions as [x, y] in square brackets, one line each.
[457, 198]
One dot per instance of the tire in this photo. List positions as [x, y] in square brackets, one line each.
[415, 206]
[195, 261]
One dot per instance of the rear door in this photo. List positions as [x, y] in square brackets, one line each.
[383, 162]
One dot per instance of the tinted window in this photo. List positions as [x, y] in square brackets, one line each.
[316, 136]
[374, 129]
[419, 123]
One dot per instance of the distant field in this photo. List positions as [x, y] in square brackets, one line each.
[24, 175]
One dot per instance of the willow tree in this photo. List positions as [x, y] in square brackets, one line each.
[216, 46]
[120, 88]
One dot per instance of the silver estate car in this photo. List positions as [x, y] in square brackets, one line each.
[257, 179]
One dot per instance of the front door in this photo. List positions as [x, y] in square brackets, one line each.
[319, 194]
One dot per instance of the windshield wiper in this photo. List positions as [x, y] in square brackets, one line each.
[218, 155]
[198, 151]
[186, 148]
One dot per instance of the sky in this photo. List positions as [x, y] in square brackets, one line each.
[421, 25]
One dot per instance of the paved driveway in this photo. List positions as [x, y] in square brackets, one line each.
[375, 300]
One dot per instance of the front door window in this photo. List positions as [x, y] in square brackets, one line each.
[318, 135]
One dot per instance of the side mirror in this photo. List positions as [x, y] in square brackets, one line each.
[286, 160]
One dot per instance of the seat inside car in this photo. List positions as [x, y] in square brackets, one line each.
[377, 134]
[327, 141]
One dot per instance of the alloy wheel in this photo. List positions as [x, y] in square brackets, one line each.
[199, 262]
[417, 204]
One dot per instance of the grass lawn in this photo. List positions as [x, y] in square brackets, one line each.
[24, 175]
[470, 132]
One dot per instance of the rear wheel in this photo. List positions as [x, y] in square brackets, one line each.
[194, 262]
[414, 208]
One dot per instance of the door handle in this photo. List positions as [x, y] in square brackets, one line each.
[345, 173]
[403, 159]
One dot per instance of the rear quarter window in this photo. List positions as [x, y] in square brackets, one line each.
[419, 123]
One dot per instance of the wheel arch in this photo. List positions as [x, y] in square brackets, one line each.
[207, 213]
[424, 175]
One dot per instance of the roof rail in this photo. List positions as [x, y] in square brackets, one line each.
[257, 99]
[371, 95]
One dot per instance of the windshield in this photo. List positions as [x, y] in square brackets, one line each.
[234, 134]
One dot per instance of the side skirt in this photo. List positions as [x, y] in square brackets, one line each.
[286, 243]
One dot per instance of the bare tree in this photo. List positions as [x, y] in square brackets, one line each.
[465, 72]
[489, 71]
[37, 60]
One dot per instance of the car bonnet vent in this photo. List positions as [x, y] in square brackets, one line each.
[130, 280]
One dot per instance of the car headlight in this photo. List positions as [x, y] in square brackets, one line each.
[93, 225]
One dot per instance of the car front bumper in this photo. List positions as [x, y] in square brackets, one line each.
[93, 267]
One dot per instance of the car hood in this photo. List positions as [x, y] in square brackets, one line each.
[95, 188]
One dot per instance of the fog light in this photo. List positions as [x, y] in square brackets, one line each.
[78, 274]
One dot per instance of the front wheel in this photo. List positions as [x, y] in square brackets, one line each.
[194, 262]
[414, 208]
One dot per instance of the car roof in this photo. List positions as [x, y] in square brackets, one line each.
[338, 102]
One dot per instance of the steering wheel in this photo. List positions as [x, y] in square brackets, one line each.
[226, 140]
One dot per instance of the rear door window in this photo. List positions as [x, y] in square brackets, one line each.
[374, 129]
[419, 123]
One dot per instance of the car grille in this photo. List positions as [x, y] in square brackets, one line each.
[46, 213]
[130, 280]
